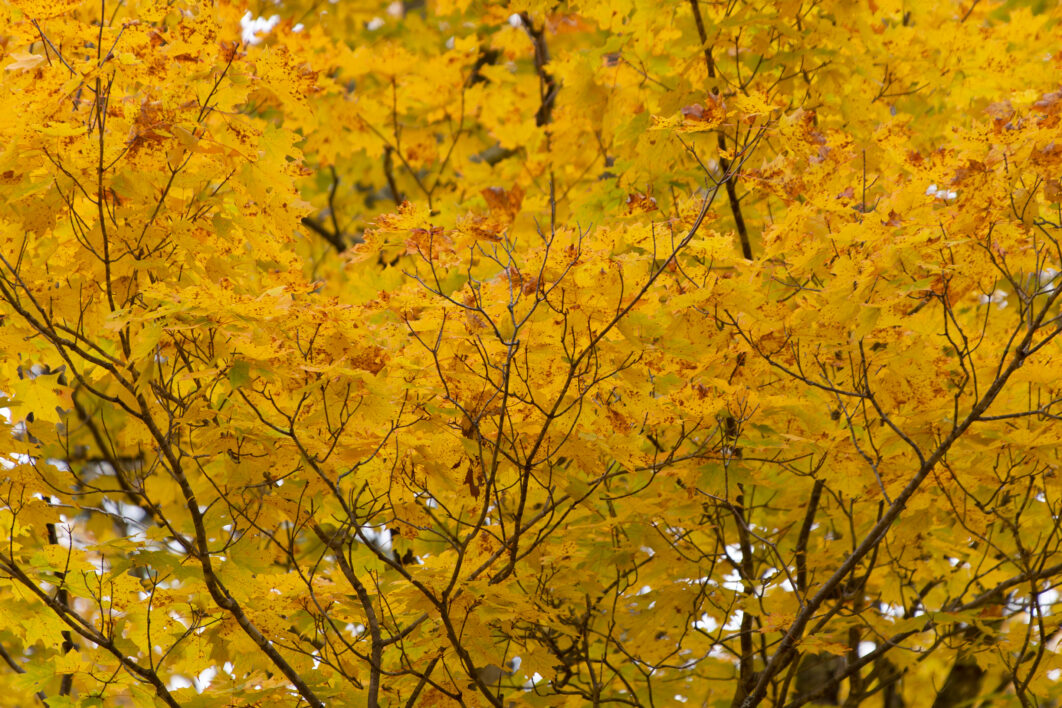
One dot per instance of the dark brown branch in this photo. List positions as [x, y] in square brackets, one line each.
[805, 534]
[66, 684]
[333, 239]
[724, 162]
[87, 631]
[547, 85]
[10, 661]
[372, 700]
[389, 173]
[787, 648]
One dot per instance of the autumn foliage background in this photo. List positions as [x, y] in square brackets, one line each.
[461, 353]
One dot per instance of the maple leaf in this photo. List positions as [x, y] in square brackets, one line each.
[24, 61]
[428, 353]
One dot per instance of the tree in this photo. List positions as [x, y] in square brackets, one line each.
[455, 353]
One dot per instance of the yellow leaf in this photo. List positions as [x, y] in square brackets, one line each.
[24, 61]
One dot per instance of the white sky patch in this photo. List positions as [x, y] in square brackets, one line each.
[732, 581]
[254, 27]
[706, 624]
[203, 680]
[997, 298]
[375, 24]
[1047, 281]
[64, 535]
[17, 458]
[946, 194]
[733, 622]
[178, 682]
[380, 538]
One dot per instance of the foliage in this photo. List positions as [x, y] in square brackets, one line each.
[529, 354]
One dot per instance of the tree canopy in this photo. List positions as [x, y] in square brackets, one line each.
[449, 352]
